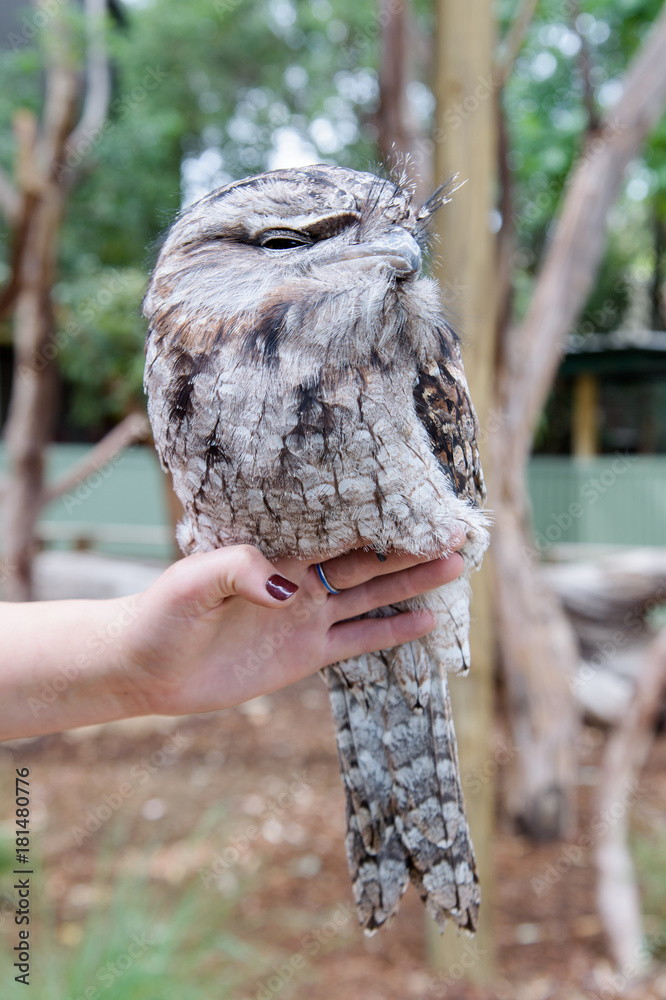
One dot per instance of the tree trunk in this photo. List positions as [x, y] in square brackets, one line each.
[29, 421]
[36, 209]
[398, 137]
[466, 268]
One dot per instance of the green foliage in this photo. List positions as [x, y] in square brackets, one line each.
[205, 93]
[100, 335]
[649, 853]
[548, 116]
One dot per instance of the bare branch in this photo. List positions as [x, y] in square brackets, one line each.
[9, 198]
[98, 84]
[584, 65]
[511, 46]
[513, 42]
[626, 753]
[392, 119]
[506, 238]
[30, 182]
[133, 428]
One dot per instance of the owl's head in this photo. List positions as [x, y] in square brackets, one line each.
[322, 260]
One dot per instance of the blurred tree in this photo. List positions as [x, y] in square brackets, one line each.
[537, 645]
[399, 132]
[34, 205]
[35, 209]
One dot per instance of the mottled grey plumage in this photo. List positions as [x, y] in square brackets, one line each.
[308, 396]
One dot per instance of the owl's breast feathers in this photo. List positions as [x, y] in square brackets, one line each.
[357, 456]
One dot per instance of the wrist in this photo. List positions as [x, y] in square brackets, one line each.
[114, 656]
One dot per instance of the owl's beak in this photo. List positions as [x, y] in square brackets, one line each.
[398, 248]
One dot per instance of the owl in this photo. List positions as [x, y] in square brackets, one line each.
[307, 396]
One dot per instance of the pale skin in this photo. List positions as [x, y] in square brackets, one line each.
[207, 635]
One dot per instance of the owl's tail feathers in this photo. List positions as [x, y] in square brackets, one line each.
[375, 852]
[405, 812]
[429, 806]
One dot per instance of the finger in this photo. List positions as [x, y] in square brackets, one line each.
[369, 635]
[384, 590]
[359, 566]
[203, 581]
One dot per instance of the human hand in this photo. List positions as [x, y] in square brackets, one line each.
[210, 633]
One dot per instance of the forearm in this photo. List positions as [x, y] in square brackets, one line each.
[64, 664]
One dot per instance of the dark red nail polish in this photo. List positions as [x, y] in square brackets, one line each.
[279, 588]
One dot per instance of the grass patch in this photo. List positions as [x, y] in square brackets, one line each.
[141, 938]
[649, 853]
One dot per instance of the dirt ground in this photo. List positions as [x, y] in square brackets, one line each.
[267, 774]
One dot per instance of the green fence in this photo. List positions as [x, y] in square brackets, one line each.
[612, 499]
[122, 509]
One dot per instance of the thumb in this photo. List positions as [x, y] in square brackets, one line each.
[201, 582]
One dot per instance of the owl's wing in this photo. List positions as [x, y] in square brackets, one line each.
[443, 405]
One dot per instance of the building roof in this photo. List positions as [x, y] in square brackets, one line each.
[621, 353]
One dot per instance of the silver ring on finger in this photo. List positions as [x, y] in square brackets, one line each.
[322, 577]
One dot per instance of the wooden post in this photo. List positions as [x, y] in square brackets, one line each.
[585, 416]
[466, 144]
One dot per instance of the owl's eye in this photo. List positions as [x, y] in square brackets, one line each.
[284, 239]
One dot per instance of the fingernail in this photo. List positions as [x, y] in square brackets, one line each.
[381, 556]
[279, 588]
